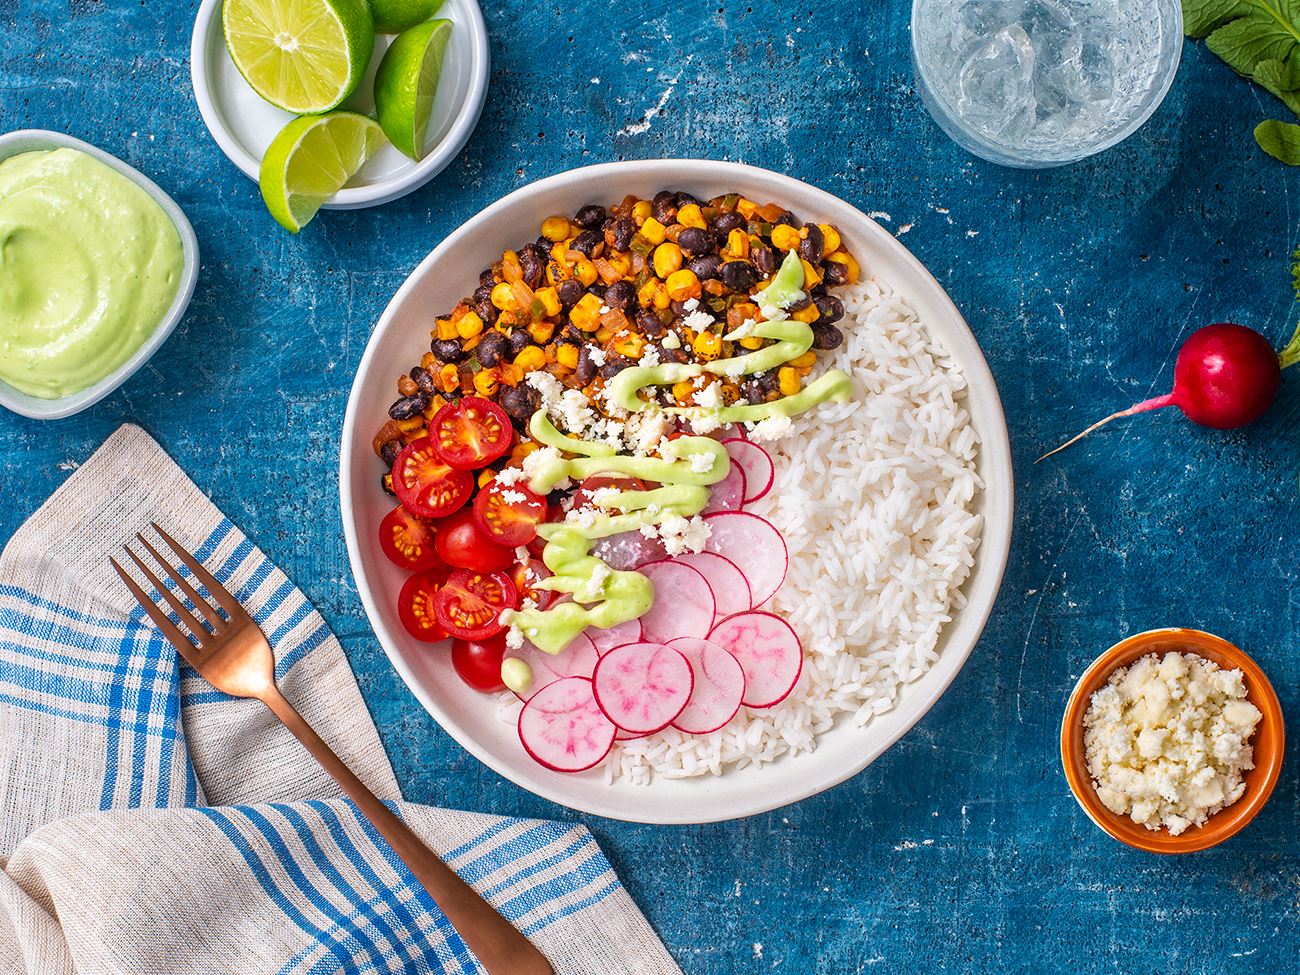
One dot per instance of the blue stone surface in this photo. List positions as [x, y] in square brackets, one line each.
[960, 850]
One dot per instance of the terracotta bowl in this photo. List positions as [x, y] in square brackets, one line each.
[1268, 741]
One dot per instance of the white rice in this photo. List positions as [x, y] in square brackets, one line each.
[875, 498]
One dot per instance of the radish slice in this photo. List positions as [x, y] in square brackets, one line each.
[768, 651]
[564, 729]
[729, 585]
[683, 606]
[642, 687]
[614, 636]
[754, 546]
[578, 659]
[719, 686]
[729, 493]
[755, 462]
[628, 551]
[622, 735]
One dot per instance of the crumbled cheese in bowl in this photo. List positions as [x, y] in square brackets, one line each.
[1167, 740]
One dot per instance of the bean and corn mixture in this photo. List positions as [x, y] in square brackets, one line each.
[597, 292]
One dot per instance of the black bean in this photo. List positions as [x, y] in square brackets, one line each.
[706, 267]
[664, 394]
[620, 294]
[764, 259]
[619, 233]
[482, 293]
[491, 348]
[532, 265]
[752, 390]
[799, 305]
[664, 207]
[389, 452]
[586, 370]
[447, 350]
[586, 242]
[670, 355]
[572, 335]
[685, 199]
[768, 381]
[725, 223]
[649, 323]
[836, 273]
[590, 217]
[518, 401]
[569, 293]
[695, 241]
[826, 337]
[739, 275]
[424, 379]
[519, 341]
[813, 247]
[830, 309]
[487, 278]
[614, 364]
[409, 406]
[789, 219]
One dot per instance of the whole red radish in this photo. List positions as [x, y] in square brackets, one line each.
[1226, 376]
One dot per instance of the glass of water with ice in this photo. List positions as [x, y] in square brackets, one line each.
[1035, 83]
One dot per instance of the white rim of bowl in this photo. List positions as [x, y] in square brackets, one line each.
[996, 448]
[36, 408]
[208, 19]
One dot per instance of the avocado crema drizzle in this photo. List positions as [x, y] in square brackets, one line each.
[685, 469]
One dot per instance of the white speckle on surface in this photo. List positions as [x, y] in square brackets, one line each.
[880, 215]
[595, 81]
[903, 228]
[758, 950]
[972, 233]
[636, 128]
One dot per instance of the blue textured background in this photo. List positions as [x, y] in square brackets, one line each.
[961, 849]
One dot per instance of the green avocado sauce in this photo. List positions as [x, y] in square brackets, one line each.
[89, 266]
[686, 469]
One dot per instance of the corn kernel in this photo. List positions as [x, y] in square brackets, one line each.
[667, 259]
[806, 315]
[486, 476]
[845, 258]
[523, 449]
[567, 356]
[541, 332]
[809, 358]
[646, 295]
[550, 300]
[730, 394]
[641, 211]
[411, 424]
[586, 272]
[485, 382]
[630, 345]
[811, 276]
[653, 231]
[446, 330]
[603, 335]
[530, 359]
[830, 238]
[787, 381]
[690, 216]
[469, 326]
[555, 229]
[707, 345]
[449, 378]
[746, 208]
[684, 390]
[738, 244]
[683, 285]
[661, 299]
[511, 375]
[751, 343]
[586, 313]
[785, 237]
[556, 272]
[502, 296]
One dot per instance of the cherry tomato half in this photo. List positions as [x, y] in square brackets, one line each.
[462, 543]
[415, 607]
[478, 662]
[471, 432]
[525, 576]
[425, 485]
[469, 606]
[509, 515]
[408, 540]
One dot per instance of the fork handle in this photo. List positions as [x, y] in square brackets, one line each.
[496, 942]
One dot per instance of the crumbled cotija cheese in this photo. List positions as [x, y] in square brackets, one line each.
[1168, 738]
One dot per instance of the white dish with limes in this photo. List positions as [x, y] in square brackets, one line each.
[244, 124]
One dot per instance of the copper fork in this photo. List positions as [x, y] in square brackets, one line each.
[232, 654]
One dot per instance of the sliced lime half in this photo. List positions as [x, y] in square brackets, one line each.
[313, 158]
[304, 56]
[407, 82]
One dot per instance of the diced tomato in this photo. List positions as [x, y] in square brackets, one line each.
[623, 482]
[425, 485]
[462, 543]
[471, 432]
[525, 576]
[478, 662]
[510, 515]
[415, 607]
[469, 606]
[408, 540]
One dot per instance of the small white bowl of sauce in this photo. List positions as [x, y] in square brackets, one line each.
[100, 265]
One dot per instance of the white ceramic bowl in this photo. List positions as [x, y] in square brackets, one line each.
[244, 125]
[402, 336]
[30, 140]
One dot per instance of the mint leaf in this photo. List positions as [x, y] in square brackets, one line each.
[1200, 17]
[1291, 354]
[1261, 34]
[1281, 140]
[1282, 80]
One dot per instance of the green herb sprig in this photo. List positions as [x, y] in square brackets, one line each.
[1260, 40]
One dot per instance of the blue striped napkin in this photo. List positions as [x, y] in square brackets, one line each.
[149, 824]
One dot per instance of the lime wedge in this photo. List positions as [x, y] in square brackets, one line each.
[304, 56]
[395, 16]
[406, 82]
[311, 159]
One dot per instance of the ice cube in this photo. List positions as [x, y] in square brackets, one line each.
[995, 87]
